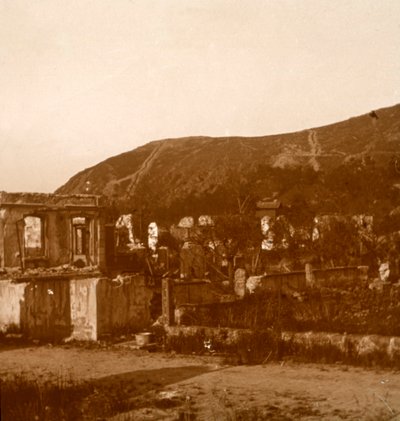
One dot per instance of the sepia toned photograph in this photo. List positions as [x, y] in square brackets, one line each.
[199, 210]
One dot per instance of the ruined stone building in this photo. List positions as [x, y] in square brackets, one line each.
[55, 282]
[48, 230]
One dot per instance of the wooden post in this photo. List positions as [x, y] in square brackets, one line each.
[167, 301]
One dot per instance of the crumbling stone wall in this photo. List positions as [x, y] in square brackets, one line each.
[57, 237]
[46, 310]
[55, 213]
[123, 304]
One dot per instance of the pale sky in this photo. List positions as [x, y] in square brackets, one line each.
[82, 80]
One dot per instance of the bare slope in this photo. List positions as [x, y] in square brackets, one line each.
[169, 172]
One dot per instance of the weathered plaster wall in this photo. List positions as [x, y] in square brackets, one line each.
[83, 309]
[11, 298]
[50, 309]
[46, 311]
[123, 304]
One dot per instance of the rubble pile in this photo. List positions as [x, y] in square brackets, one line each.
[66, 270]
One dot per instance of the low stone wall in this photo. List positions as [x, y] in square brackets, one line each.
[292, 281]
[177, 295]
[299, 280]
[358, 310]
[340, 276]
[347, 347]
[250, 346]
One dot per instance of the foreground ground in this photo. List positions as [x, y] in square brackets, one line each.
[139, 385]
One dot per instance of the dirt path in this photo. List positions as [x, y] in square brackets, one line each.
[144, 168]
[163, 384]
[315, 149]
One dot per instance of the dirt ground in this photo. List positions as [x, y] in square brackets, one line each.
[175, 387]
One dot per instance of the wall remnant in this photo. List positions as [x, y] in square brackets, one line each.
[39, 230]
[56, 308]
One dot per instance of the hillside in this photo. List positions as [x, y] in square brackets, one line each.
[347, 166]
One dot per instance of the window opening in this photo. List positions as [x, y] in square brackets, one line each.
[80, 236]
[33, 236]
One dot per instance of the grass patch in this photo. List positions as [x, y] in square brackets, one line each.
[61, 399]
[25, 399]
